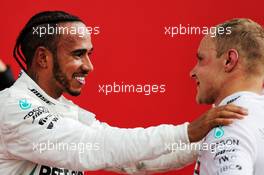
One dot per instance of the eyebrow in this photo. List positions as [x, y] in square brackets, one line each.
[82, 51]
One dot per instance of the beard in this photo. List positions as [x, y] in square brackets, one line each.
[207, 97]
[61, 77]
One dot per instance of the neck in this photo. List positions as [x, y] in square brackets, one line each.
[251, 84]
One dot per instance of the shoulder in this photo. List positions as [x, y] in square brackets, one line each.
[251, 101]
[241, 133]
[17, 93]
[17, 103]
[241, 128]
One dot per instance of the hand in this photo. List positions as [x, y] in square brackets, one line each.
[2, 66]
[223, 115]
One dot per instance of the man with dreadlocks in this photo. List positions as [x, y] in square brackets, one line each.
[44, 133]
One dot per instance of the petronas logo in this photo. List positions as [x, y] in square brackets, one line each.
[219, 132]
[24, 104]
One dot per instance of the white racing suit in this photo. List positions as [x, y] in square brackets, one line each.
[237, 149]
[44, 136]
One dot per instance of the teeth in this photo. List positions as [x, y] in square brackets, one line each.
[80, 79]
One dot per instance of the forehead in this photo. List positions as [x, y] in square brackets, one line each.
[206, 45]
[76, 36]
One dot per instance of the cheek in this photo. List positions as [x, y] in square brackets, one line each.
[207, 79]
[203, 74]
[71, 68]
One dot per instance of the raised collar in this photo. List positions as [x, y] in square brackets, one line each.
[32, 86]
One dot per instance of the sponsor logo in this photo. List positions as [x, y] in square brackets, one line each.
[228, 142]
[233, 99]
[36, 112]
[45, 170]
[225, 144]
[227, 158]
[219, 132]
[231, 167]
[24, 104]
[51, 119]
[232, 150]
[44, 120]
[40, 96]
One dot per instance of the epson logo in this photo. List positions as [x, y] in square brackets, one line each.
[39, 95]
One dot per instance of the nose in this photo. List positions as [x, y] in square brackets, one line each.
[87, 64]
[193, 73]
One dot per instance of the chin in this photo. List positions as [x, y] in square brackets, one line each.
[200, 100]
[74, 93]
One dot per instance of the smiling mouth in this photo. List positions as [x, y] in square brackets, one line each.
[80, 79]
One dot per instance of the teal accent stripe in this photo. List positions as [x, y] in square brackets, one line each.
[34, 169]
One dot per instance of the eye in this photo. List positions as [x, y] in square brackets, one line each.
[199, 58]
[79, 53]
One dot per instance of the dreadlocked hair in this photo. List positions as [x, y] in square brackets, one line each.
[27, 42]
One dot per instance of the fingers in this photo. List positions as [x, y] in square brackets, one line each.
[228, 115]
[223, 115]
[222, 122]
[235, 109]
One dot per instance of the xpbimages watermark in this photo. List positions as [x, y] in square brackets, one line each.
[145, 89]
[230, 144]
[63, 146]
[60, 30]
[173, 31]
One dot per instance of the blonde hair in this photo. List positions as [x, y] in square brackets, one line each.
[247, 37]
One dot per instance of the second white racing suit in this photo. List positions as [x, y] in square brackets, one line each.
[236, 149]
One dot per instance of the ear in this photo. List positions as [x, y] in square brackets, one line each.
[231, 60]
[42, 57]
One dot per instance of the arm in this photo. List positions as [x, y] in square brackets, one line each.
[178, 158]
[168, 162]
[26, 134]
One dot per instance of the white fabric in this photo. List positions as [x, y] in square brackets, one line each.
[40, 136]
[236, 149]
